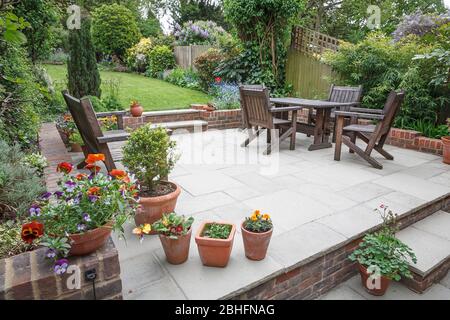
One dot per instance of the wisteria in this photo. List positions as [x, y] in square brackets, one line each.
[199, 32]
[420, 24]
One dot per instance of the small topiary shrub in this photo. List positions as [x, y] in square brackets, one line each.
[138, 55]
[161, 58]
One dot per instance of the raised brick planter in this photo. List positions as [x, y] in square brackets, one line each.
[410, 139]
[30, 276]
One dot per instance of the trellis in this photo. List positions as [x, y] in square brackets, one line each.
[312, 42]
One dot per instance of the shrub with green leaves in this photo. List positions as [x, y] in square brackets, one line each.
[114, 29]
[11, 242]
[184, 78]
[206, 65]
[172, 225]
[384, 250]
[216, 231]
[19, 183]
[149, 154]
[138, 55]
[161, 58]
[36, 161]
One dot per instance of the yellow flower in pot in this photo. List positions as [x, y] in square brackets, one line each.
[256, 234]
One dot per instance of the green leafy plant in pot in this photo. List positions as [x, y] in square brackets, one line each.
[382, 257]
[175, 235]
[150, 155]
[256, 234]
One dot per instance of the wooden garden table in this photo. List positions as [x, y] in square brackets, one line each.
[320, 130]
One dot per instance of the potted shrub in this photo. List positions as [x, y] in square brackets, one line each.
[136, 109]
[256, 233]
[149, 154]
[215, 242]
[79, 217]
[446, 149]
[175, 235]
[76, 142]
[382, 257]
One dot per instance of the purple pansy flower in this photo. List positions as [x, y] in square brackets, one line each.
[92, 198]
[58, 194]
[61, 266]
[51, 253]
[46, 195]
[70, 185]
[35, 210]
[81, 227]
[86, 217]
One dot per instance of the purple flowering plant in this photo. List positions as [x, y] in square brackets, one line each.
[83, 202]
[200, 32]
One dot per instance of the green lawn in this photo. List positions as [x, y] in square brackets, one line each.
[152, 94]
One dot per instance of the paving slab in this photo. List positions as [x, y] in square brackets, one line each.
[364, 191]
[437, 224]
[206, 182]
[302, 243]
[430, 249]
[442, 179]
[203, 202]
[414, 186]
[342, 292]
[398, 291]
[353, 222]
[446, 281]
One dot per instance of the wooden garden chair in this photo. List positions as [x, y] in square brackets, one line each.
[374, 135]
[258, 113]
[339, 94]
[87, 124]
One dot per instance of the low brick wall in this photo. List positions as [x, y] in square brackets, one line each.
[222, 119]
[328, 269]
[414, 140]
[30, 276]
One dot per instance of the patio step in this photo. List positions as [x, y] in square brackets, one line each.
[430, 240]
[188, 125]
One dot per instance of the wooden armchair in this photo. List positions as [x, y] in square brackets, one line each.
[87, 124]
[374, 135]
[339, 94]
[259, 114]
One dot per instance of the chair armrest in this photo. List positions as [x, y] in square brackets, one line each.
[365, 110]
[118, 114]
[284, 109]
[359, 115]
[113, 137]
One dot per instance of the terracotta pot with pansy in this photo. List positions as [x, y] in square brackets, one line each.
[78, 218]
[256, 233]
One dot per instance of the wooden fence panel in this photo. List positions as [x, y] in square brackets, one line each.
[186, 55]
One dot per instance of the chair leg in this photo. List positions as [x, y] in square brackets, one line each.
[251, 136]
[310, 119]
[363, 154]
[109, 161]
[378, 147]
[353, 140]
[269, 136]
[338, 134]
[275, 143]
[294, 130]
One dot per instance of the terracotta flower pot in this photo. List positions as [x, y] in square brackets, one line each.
[255, 244]
[215, 252]
[89, 241]
[176, 250]
[136, 110]
[75, 147]
[446, 149]
[383, 283]
[152, 208]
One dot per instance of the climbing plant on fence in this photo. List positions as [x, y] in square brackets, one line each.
[263, 26]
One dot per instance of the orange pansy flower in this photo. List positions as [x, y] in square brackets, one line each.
[94, 191]
[81, 176]
[94, 157]
[119, 174]
[92, 168]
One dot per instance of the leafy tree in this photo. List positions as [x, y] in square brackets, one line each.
[193, 10]
[264, 27]
[150, 26]
[114, 29]
[84, 78]
[346, 19]
[42, 16]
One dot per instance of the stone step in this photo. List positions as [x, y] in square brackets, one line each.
[170, 112]
[430, 240]
[188, 125]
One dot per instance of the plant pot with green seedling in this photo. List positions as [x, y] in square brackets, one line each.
[215, 242]
[150, 155]
[382, 257]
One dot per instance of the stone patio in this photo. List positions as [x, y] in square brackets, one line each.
[315, 203]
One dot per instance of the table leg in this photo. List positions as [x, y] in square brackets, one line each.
[321, 137]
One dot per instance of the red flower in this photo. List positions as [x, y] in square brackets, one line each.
[119, 174]
[218, 79]
[32, 231]
[92, 168]
[94, 191]
[81, 176]
[179, 229]
[64, 167]
[94, 157]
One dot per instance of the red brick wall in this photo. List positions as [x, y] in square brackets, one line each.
[410, 139]
[222, 119]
